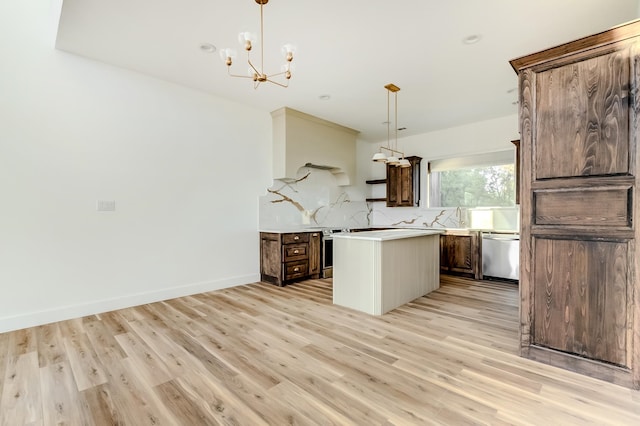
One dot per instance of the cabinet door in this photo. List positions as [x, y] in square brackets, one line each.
[314, 254]
[403, 184]
[459, 254]
[582, 118]
[393, 177]
[581, 298]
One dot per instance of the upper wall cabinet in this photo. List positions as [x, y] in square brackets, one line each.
[403, 184]
[579, 128]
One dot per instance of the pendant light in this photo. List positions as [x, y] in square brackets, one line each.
[379, 156]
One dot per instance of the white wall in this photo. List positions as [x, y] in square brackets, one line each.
[74, 131]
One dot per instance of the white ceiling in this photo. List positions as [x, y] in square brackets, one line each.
[348, 49]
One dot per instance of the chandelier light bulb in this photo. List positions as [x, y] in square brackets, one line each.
[246, 39]
[288, 51]
[227, 55]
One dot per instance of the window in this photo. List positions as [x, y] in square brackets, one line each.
[485, 180]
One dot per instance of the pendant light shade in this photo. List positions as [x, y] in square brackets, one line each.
[393, 160]
[404, 163]
[379, 157]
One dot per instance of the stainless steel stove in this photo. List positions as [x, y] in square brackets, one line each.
[327, 250]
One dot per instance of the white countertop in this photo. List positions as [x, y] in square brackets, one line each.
[387, 234]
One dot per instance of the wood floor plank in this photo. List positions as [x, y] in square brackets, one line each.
[21, 398]
[61, 402]
[4, 358]
[126, 398]
[50, 347]
[182, 405]
[103, 408]
[86, 367]
[314, 411]
[115, 322]
[260, 354]
[225, 406]
[141, 358]
[175, 358]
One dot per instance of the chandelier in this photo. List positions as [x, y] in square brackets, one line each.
[257, 73]
[380, 156]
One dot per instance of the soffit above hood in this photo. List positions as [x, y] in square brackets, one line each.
[302, 140]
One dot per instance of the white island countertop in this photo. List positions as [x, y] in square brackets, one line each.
[387, 234]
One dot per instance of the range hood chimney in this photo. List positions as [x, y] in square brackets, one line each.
[302, 140]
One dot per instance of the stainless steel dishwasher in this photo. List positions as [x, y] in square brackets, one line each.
[501, 256]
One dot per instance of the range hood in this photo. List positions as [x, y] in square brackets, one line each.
[319, 166]
[302, 140]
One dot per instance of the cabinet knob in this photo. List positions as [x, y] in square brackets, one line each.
[296, 269]
[296, 237]
[296, 251]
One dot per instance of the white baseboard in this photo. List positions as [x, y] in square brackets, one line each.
[61, 313]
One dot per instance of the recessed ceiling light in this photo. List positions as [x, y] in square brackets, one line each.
[207, 47]
[472, 39]
[324, 97]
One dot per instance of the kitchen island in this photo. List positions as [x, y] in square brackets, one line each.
[377, 271]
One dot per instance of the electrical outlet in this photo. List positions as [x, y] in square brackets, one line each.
[105, 205]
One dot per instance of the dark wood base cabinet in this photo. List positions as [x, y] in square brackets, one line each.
[289, 257]
[460, 254]
[579, 263]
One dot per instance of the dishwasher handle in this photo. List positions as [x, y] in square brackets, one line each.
[501, 237]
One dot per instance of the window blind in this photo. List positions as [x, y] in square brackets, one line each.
[479, 160]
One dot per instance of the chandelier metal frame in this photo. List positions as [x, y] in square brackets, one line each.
[257, 73]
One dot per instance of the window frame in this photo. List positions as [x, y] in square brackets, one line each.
[495, 158]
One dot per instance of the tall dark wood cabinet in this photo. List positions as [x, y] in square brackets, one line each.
[403, 184]
[579, 128]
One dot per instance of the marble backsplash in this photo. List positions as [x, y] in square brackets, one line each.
[315, 199]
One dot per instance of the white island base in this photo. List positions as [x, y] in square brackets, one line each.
[377, 271]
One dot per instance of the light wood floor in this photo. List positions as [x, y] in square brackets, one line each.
[260, 354]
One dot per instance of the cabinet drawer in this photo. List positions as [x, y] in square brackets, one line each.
[295, 252]
[294, 270]
[292, 238]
